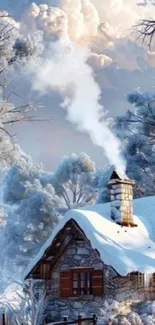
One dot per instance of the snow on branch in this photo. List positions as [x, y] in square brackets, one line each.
[15, 49]
[25, 303]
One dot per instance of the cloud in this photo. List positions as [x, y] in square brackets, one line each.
[94, 23]
[88, 20]
[99, 60]
[121, 15]
[150, 56]
[97, 24]
[78, 19]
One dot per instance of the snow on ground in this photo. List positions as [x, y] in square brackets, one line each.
[143, 314]
[125, 249]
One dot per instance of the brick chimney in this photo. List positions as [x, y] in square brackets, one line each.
[121, 194]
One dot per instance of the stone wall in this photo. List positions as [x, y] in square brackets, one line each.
[80, 254]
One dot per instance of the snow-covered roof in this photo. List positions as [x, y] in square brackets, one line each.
[125, 249]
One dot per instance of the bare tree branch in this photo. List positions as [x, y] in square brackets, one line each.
[146, 31]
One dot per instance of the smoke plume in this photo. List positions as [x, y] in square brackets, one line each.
[66, 69]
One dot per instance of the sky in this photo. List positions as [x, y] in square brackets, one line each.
[119, 62]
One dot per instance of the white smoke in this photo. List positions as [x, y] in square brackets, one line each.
[66, 69]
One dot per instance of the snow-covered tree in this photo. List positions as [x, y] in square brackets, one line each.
[136, 129]
[14, 50]
[14, 182]
[14, 46]
[38, 212]
[28, 226]
[72, 180]
[28, 47]
[101, 179]
[31, 214]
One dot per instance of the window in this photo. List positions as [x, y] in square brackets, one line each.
[149, 282]
[80, 282]
[143, 281]
[137, 279]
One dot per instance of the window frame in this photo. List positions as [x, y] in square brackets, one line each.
[87, 289]
[66, 286]
[140, 282]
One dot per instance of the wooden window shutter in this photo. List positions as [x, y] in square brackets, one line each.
[65, 284]
[97, 282]
[45, 271]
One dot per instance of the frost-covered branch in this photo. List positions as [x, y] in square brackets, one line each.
[14, 50]
[25, 302]
[146, 30]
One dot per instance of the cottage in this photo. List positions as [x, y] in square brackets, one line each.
[99, 252]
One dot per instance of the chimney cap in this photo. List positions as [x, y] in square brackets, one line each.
[116, 174]
[119, 177]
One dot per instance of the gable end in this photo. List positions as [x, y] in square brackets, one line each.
[70, 231]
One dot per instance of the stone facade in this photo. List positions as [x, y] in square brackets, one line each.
[121, 195]
[81, 254]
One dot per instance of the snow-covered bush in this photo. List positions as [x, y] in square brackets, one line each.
[134, 319]
[148, 319]
[123, 321]
[112, 314]
[111, 308]
[148, 308]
